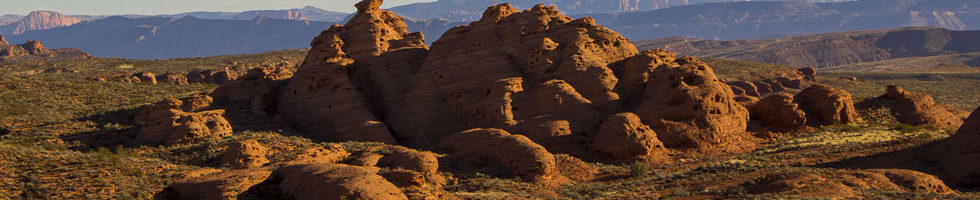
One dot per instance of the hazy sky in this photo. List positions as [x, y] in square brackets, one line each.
[115, 7]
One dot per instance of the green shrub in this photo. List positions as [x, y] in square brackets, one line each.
[639, 170]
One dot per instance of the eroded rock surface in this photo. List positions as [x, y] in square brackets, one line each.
[173, 122]
[334, 181]
[624, 138]
[825, 105]
[918, 109]
[244, 154]
[516, 153]
[689, 107]
[779, 112]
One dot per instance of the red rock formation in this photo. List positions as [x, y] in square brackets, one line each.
[372, 80]
[321, 101]
[423, 163]
[749, 87]
[624, 138]
[244, 154]
[809, 73]
[538, 45]
[801, 184]
[225, 185]
[330, 153]
[919, 109]
[42, 20]
[826, 105]
[3, 41]
[334, 181]
[689, 107]
[174, 79]
[636, 71]
[517, 154]
[166, 122]
[351, 74]
[778, 112]
[147, 77]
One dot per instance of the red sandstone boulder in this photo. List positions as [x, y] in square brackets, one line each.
[517, 154]
[167, 122]
[244, 154]
[778, 112]
[826, 105]
[624, 138]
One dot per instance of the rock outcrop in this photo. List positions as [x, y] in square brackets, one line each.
[624, 138]
[536, 73]
[35, 48]
[962, 155]
[825, 105]
[330, 153]
[225, 185]
[173, 122]
[801, 184]
[291, 181]
[899, 180]
[334, 181]
[352, 74]
[749, 87]
[422, 163]
[174, 79]
[471, 75]
[517, 154]
[809, 73]
[147, 77]
[918, 109]
[779, 113]
[244, 154]
[689, 107]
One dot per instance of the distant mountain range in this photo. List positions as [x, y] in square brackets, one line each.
[471, 10]
[221, 33]
[306, 13]
[43, 20]
[918, 48]
[758, 19]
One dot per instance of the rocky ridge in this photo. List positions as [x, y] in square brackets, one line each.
[36, 49]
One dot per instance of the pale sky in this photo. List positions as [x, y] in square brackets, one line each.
[155, 7]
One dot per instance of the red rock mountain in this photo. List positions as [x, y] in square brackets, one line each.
[41, 20]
